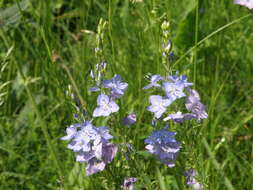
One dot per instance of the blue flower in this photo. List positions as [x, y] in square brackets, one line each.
[180, 80]
[153, 82]
[163, 144]
[117, 87]
[71, 132]
[106, 106]
[158, 105]
[174, 90]
[91, 145]
[194, 105]
[94, 165]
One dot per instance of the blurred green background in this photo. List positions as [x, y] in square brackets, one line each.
[38, 37]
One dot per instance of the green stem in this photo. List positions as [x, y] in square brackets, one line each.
[84, 105]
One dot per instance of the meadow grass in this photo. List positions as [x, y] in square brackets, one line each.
[47, 45]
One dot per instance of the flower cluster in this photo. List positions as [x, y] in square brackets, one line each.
[175, 87]
[106, 103]
[91, 145]
[163, 144]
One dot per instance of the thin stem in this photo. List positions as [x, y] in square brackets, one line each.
[83, 103]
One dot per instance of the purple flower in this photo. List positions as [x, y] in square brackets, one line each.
[128, 183]
[191, 181]
[153, 82]
[179, 117]
[109, 151]
[117, 87]
[174, 90]
[180, 80]
[163, 144]
[129, 120]
[106, 106]
[71, 132]
[91, 145]
[194, 105]
[246, 3]
[158, 105]
[83, 137]
[94, 166]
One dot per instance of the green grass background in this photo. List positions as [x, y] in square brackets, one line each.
[37, 37]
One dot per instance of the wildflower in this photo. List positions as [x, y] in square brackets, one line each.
[246, 3]
[94, 166]
[163, 144]
[180, 80]
[191, 181]
[71, 132]
[91, 145]
[158, 105]
[106, 106]
[153, 82]
[174, 90]
[179, 117]
[128, 183]
[194, 105]
[117, 87]
[129, 120]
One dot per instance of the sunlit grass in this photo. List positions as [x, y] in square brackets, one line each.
[50, 44]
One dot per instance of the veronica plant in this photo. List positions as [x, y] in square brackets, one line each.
[92, 144]
[175, 87]
[162, 142]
